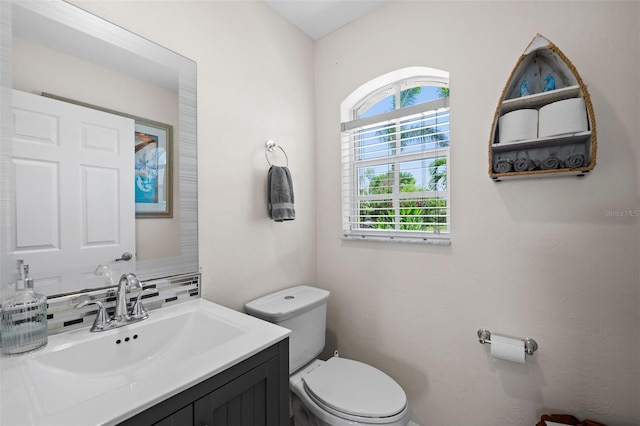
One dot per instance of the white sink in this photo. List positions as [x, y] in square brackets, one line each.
[103, 378]
[142, 345]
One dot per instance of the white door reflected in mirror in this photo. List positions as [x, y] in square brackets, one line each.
[74, 174]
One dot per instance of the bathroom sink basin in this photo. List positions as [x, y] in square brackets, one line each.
[106, 377]
[143, 345]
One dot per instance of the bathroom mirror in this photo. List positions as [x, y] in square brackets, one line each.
[61, 49]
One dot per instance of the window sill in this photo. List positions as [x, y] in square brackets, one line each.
[444, 240]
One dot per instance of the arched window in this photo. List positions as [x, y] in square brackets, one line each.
[395, 158]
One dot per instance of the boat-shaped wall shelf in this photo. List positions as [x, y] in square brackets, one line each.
[544, 124]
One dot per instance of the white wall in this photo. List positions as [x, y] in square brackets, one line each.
[255, 82]
[535, 258]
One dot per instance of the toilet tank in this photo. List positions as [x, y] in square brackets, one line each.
[301, 309]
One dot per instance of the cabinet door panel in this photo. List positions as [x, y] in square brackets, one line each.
[183, 417]
[251, 399]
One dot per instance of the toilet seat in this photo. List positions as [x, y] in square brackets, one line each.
[354, 390]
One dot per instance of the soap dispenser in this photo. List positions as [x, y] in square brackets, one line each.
[24, 316]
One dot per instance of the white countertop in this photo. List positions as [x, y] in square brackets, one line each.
[33, 393]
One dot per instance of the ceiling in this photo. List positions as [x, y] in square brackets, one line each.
[317, 18]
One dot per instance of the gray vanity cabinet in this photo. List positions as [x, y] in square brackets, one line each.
[179, 418]
[254, 392]
[246, 401]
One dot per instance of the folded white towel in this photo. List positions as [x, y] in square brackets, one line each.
[280, 194]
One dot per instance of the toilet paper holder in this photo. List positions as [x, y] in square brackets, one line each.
[530, 345]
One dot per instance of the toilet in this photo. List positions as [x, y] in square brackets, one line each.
[335, 392]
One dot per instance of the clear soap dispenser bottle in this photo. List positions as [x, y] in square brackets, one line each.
[24, 316]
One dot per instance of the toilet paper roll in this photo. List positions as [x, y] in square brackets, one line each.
[508, 349]
[518, 125]
[563, 117]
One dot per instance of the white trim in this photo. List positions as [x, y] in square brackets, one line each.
[431, 240]
[351, 101]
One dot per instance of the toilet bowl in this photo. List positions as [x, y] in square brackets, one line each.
[335, 392]
[341, 392]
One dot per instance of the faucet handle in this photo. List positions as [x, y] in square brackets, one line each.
[102, 320]
[131, 282]
[138, 311]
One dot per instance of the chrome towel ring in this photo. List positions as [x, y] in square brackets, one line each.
[270, 146]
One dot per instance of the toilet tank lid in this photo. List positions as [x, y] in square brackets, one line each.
[287, 303]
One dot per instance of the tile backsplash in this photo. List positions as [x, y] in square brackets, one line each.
[63, 316]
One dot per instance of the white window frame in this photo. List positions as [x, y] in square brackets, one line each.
[361, 99]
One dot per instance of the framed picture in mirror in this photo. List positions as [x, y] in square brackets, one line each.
[153, 171]
[153, 163]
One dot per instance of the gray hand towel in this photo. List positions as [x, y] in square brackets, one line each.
[552, 162]
[503, 165]
[575, 160]
[280, 194]
[524, 164]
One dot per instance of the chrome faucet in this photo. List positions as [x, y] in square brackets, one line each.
[127, 282]
[122, 315]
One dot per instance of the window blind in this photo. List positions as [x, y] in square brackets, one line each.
[395, 175]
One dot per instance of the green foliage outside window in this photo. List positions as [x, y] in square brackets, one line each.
[427, 214]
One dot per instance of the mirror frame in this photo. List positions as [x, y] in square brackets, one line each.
[130, 44]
